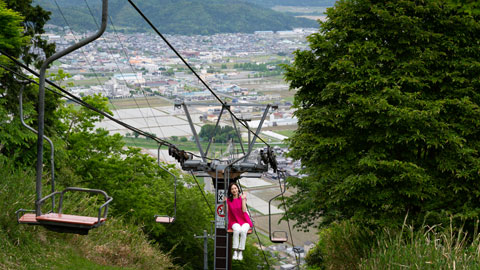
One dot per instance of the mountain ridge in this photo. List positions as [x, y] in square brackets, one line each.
[187, 17]
[299, 3]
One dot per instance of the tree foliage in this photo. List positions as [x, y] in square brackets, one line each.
[388, 107]
[35, 17]
[22, 26]
[221, 135]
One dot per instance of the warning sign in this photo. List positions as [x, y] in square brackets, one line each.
[220, 217]
[220, 211]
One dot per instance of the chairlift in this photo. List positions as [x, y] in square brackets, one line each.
[58, 221]
[276, 236]
[251, 229]
[165, 219]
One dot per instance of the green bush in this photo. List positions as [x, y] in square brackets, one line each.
[341, 246]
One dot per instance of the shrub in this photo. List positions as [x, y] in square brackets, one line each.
[341, 246]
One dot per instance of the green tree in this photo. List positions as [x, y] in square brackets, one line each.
[388, 114]
[469, 6]
[169, 72]
[11, 33]
[34, 21]
[221, 135]
[21, 26]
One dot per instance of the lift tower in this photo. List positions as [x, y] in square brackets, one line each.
[225, 171]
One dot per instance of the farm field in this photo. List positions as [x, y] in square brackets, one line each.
[139, 102]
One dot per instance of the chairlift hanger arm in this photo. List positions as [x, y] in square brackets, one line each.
[168, 219]
[52, 149]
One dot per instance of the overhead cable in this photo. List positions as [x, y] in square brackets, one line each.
[204, 197]
[83, 103]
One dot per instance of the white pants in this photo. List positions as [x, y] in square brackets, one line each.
[242, 232]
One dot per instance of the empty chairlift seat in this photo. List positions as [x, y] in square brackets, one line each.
[164, 219]
[279, 237]
[67, 223]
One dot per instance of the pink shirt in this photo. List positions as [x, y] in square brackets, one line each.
[235, 213]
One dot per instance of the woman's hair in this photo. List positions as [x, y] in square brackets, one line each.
[229, 192]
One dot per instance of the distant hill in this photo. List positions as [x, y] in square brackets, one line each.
[299, 3]
[197, 17]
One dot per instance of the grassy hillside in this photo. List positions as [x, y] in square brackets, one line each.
[117, 245]
[195, 17]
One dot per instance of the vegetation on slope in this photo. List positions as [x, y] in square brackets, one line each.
[116, 245]
[346, 245]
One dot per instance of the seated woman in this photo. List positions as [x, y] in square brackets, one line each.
[238, 219]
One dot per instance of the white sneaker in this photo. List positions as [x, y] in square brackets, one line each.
[240, 256]
[235, 255]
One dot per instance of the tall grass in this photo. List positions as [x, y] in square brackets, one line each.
[346, 245]
[426, 248]
[116, 245]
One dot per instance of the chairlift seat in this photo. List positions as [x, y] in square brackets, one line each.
[164, 219]
[65, 223]
[70, 219]
[62, 223]
[31, 218]
[279, 239]
[249, 231]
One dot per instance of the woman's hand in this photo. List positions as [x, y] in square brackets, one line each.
[244, 201]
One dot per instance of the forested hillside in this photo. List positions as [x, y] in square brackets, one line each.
[176, 17]
[299, 3]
